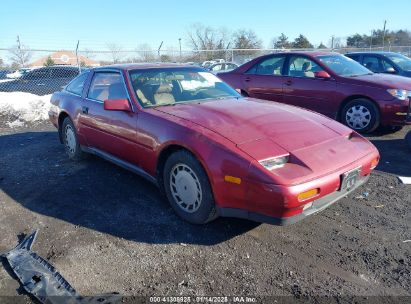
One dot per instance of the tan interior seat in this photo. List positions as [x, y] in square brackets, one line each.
[142, 97]
[164, 95]
[307, 70]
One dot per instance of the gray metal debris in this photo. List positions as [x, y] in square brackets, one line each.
[42, 280]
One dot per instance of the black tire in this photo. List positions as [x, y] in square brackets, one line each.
[368, 109]
[72, 145]
[408, 139]
[203, 208]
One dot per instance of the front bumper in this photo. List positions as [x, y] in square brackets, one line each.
[401, 117]
[317, 206]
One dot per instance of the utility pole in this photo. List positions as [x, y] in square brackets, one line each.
[332, 42]
[372, 33]
[179, 41]
[78, 62]
[19, 51]
[158, 51]
[383, 35]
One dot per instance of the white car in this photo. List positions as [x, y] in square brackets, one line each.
[18, 73]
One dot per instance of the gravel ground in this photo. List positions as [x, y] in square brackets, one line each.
[107, 230]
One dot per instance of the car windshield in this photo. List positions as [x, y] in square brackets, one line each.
[171, 86]
[344, 66]
[402, 61]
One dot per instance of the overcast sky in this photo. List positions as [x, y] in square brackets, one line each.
[58, 24]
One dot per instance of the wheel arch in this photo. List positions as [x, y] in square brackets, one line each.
[165, 153]
[63, 115]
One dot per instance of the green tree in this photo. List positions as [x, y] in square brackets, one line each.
[281, 42]
[357, 40]
[321, 46]
[301, 42]
[49, 62]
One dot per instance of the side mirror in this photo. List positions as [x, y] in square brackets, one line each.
[117, 105]
[322, 75]
[390, 70]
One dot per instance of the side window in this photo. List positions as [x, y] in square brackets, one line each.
[230, 66]
[217, 67]
[302, 67]
[386, 66]
[107, 85]
[270, 66]
[76, 86]
[355, 57]
[372, 63]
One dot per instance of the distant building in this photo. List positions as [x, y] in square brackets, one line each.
[66, 58]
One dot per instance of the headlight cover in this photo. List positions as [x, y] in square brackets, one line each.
[399, 94]
[274, 162]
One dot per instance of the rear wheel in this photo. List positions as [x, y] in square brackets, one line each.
[361, 114]
[188, 189]
[70, 140]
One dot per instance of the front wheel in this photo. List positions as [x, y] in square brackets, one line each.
[362, 115]
[188, 189]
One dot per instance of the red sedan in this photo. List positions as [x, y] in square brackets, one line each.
[210, 150]
[328, 83]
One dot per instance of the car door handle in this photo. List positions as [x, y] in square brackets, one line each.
[84, 110]
[288, 82]
[41, 84]
[247, 79]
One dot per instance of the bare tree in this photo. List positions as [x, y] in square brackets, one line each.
[146, 53]
[20, 55]
[206, 38]
[115, 51]
[336, 43]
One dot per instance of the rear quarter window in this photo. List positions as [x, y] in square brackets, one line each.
[77, 84]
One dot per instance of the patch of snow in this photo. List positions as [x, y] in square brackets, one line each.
[18, 108]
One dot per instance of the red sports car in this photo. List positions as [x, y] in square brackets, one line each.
[328, 83]
[210, 150]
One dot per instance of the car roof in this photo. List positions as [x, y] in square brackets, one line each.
[142, 66]
[307, 53]
[371, 53]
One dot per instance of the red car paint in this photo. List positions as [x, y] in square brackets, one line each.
[325, 96]
[228, 137]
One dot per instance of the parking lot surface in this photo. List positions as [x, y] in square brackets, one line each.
[108, 230]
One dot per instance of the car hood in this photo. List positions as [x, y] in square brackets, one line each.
[316, 144]
[246, 120]
[381, 80]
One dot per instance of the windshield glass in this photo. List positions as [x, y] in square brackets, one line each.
[169, 86]
[402, 61]
[344, 66]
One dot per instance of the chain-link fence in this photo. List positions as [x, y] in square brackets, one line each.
[42, 72]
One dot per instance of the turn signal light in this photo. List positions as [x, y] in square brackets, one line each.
[232, 179]
[308, 194]
[374, 163]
